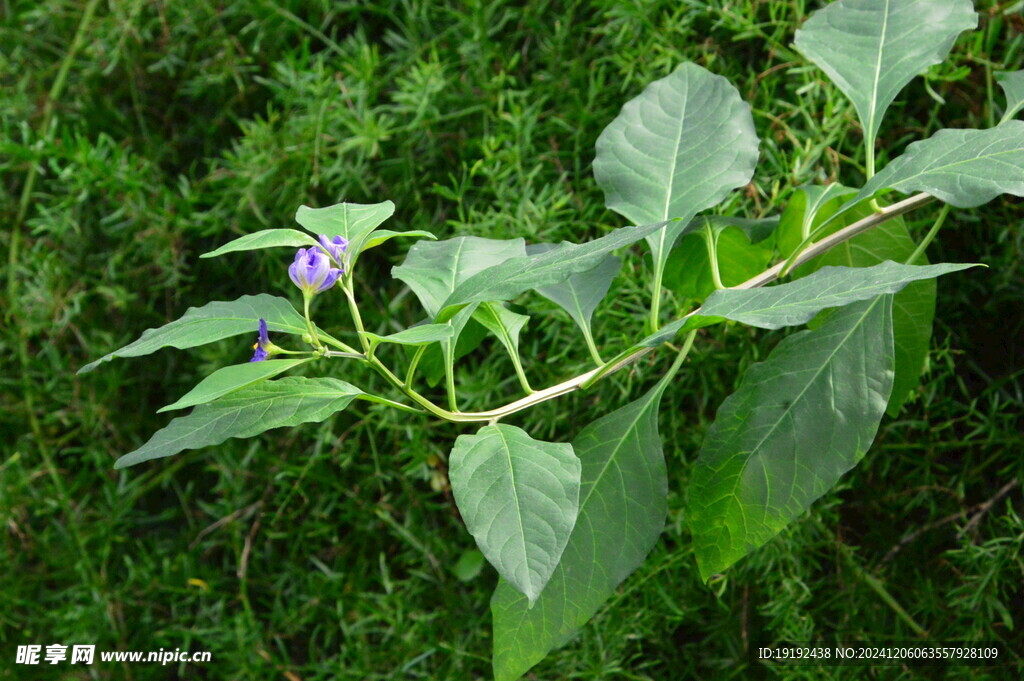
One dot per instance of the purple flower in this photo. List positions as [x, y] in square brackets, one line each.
[312, 271]
[262, 346]
[336, 247]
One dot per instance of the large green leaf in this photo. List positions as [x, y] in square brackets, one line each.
[1012, 83]
[247, 412]
[434, 270]
[231, 378]
[353, 221]
[515, 275]
[797, 302]
[797, 423]
[676, 149]
[518, 497]
[913, 308]
[965, 168]
[871, 49]
[580, 294]
[267, 238]
[212, 322]
[621, 515]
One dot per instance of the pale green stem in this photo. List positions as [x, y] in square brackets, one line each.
[680, 357]
[411, 373]
[429, 406]
[348, 349]
[712, 243]
[449, 378]
[314, 338]
[391, 403]
[930, 236]
[588, 336]
[518, 365]
[357, 320]
[635, 353]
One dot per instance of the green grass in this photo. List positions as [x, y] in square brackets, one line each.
[327, 552]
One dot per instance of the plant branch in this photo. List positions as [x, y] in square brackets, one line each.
[769, 275]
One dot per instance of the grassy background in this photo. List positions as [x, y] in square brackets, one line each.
[327, 552]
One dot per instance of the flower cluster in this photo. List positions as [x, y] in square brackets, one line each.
[312, 272]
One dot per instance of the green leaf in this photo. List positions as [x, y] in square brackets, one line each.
[913, 308]
[415, 335]
[1012, 83]
[353, 221]
[965, 168]
[797, 423]
[469, 565]
[871, 49]
[434, 270]
[581, 293]
[506, 326]
[247, 412]
[518, 497]
[797, 302]
[688, 269]
[621, 515]
[212, 322]
[510, 278]
[674, 150]
[232, 378]
[449, 347]
[432, 365]
[267, 238]
[381, 235]
[805, 211]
